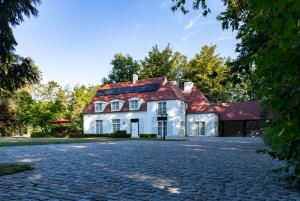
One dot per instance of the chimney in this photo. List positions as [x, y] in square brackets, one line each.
[174, 83]
[135, 78]
[188, 86]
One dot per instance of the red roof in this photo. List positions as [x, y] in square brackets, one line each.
[197, 102]
[166, 91]
[60, 121]
[239, 111]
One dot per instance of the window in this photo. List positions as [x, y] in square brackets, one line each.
[162, 108]
[116, 125]
[134, 105]
[162, 128]
[200, 128]
[99, 126]
[115, 106]
[99, 107]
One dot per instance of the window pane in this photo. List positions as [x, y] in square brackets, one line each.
[99, 126]
[116, 125]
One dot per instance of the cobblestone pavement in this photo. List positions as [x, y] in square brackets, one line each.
[204, 168]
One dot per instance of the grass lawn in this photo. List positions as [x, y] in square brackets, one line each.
[12, 168]
[24, 141]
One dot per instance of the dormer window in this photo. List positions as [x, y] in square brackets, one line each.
[99, 106]
[134, 103]
[116, 105]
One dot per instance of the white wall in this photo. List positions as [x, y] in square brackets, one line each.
[147, 119]
[211, 123]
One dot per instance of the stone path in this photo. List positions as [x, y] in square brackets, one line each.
[205, 168]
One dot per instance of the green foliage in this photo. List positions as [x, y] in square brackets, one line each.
[12, 14]
[163, 63]
[15, 71]
[123, 66]
[269, 51]
[12, 168]
[40, 134]
[210, 74]
[147, 135]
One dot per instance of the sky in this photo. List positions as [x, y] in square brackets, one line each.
[74, 41]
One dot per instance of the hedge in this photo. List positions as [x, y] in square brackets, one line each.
[118, 134]
[148, 135]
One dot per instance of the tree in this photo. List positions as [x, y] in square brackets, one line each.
[210, 74]
[15, 71]
[163, 63]
[269, 49]
[80, 97]
[123, 68]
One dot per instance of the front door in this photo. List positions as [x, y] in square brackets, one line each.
[134, 129]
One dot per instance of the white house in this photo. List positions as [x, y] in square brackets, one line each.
[150, 106]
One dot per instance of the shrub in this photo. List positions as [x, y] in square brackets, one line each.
[120, 134]
[148, 135]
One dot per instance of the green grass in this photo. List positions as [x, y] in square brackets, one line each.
[25, 141]
[12, 168]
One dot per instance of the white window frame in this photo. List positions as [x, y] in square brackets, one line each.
[199, 128]
[162, 128]
[138, 105]
[99, 126]
[119, 102]
[116, 125]
[164, 109]
[103, 105]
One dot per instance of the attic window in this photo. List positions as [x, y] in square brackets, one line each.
[99, 106]
[115, 106]
[134, 103]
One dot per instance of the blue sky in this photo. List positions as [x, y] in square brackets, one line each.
[74, 41]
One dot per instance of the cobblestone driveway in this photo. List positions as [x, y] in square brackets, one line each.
[198, 169]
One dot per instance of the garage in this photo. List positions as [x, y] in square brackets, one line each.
[239, 119]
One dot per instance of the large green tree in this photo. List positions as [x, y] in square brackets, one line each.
[15, 71]
[208, 72]
[123, 66]
[269, 49]
[163, 63]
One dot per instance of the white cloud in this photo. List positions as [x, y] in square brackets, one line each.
[225, 37]
[164, 3]
[187, 36]
[192, 22]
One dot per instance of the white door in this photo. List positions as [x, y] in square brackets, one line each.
[134, 129]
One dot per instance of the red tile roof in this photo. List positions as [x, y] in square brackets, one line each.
[166, 91]
[197, 102]
[239, 111]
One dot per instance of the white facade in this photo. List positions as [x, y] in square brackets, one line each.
[210, 121]
[177, 120]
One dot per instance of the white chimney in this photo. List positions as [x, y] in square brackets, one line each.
[135, 78]
[188, 86]
[174, 83]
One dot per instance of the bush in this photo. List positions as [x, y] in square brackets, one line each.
[148, 135]
[40, 134]
[120, 134]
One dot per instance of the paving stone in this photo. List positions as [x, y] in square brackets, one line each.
[204, 168]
